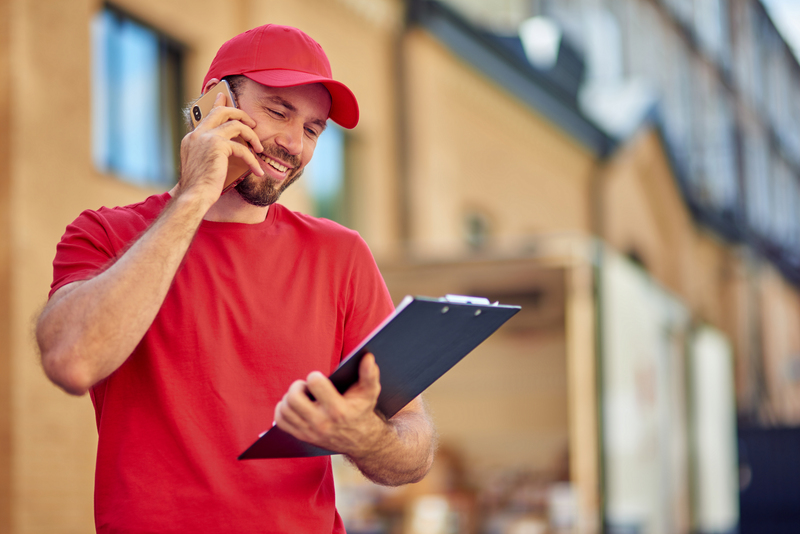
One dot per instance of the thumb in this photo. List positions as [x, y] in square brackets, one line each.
[369, 376]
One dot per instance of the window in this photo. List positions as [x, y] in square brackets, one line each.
[676, 94]
[757, 173]
[719, 177]
[325, 175]
[747, 50]
[710, 22]
[136, 100]
[792, 133]
[777, 86]
[713, 174]
[784, 216]
[682, 9]
[701, 121]
[646, 50]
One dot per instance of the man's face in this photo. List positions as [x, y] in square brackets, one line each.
[289, 121]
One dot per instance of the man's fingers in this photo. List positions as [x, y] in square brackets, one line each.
[242, 138]
[233, 129]
[297, 396]
[368, 371]
[231, 123]
[241, 151]
[222, 114]
[297, 413]
[286, 417]
[369, 379]
[322, 388]
[295, 400]
[220, 100]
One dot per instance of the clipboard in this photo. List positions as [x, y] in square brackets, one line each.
[413, 347]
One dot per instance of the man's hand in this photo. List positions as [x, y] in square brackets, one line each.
[343, 423]
[206, 149]
[393, 452]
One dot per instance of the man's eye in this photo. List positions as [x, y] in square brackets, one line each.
[276, 113]
[312, 132]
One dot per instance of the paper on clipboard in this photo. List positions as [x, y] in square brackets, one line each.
[414, 346]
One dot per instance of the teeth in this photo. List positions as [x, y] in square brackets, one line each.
[273, 163]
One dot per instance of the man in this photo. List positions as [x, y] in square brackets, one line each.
[195, 320]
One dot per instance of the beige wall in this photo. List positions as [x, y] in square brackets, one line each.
[6, 304]
[472, 147]
[46, 481]
[52, 434]
[781, 337]
[476, 148]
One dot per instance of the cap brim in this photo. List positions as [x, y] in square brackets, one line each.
[344, 106]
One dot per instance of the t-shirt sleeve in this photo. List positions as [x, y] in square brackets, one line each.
[85, 249]
[369, 301]
[97, 237]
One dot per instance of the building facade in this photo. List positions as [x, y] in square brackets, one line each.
[637, 193]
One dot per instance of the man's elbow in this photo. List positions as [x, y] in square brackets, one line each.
[425, 467]
[420, 473]
[400, 478]
[72, 378]
[405, 471]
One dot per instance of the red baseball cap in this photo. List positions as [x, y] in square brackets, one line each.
[282, 56]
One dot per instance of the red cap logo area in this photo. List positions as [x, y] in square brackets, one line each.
[282, 56]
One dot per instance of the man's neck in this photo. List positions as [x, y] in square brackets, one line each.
[231, 207]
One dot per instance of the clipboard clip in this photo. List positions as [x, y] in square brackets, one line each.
[465, 299]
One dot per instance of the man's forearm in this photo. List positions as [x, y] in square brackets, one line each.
[405, 452]
[89, 330]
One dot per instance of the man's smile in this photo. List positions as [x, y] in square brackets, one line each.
[273, 163]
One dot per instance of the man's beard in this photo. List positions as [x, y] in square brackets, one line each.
[263, 191]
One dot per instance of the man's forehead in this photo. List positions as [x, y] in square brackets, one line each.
[317, 90]
[292, 97]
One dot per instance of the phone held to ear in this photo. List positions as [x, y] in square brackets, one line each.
[237, 168]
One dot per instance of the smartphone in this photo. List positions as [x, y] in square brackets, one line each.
[237, 168]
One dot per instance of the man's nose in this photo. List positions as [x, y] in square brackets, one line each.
[290, 139]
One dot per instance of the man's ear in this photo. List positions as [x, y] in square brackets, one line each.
[210, 85]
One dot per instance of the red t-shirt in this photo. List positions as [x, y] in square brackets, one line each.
[252, 308]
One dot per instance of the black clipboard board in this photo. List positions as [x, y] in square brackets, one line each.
[418, 343]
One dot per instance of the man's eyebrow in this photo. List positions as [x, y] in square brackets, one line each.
[283, 102]
[321, 123]
[291, 107]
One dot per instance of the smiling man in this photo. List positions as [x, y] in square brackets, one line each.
[195, 319]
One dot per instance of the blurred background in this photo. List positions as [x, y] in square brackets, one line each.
[628, 171]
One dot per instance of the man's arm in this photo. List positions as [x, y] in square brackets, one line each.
[389, 452]
[89, 328]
